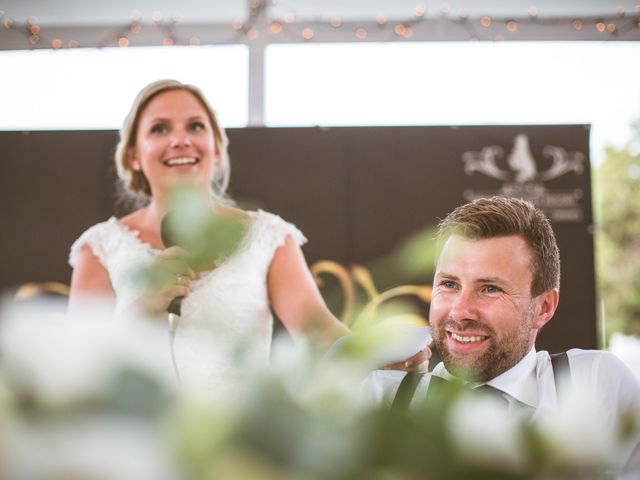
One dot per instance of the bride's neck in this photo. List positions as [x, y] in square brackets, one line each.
[155, 211]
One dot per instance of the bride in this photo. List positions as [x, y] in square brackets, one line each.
[172, 136]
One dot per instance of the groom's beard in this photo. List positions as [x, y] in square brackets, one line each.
[502, 350]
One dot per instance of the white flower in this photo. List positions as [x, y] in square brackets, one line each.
[578, 435]
[385, 342]
[482, 434]
[317, 384]
[90, 447]
[61, 360]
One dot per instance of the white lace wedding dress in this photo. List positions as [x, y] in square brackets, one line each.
[226, 322]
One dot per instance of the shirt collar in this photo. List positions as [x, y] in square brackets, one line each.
[518, 382]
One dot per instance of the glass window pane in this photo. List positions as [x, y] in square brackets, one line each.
[453, 83]
[94, 88]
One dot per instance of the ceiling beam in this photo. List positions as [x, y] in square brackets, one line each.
[260, 31]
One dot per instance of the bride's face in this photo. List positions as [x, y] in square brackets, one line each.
[174, 142]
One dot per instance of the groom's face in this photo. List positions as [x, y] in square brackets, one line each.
[483, 316]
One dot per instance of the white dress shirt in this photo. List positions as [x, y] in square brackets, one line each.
[599, 376]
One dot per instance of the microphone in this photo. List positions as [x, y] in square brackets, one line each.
[175, 307]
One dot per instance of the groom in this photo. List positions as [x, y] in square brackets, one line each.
[496, 285]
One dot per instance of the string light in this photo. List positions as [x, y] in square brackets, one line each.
[252, 33]
[361, 33]
[613, 24]
[275, 27]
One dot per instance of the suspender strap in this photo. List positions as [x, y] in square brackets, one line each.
[406, 390]
[560, 367]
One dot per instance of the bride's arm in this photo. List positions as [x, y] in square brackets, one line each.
[89, 280]
[296, 300]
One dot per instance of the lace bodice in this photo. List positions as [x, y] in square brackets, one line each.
[226, 321]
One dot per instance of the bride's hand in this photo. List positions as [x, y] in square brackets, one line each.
[416, 363]
[175, 278]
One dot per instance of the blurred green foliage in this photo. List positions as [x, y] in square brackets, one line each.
[617, 215]
[410, 266]
[206, 236]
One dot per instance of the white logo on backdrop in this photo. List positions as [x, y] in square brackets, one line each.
[521, 176]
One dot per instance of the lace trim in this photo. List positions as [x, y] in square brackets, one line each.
[134, 235]
[106, 237]
[277, 229]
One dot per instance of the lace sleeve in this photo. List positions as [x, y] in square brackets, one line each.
[97, 238]
[273, 231]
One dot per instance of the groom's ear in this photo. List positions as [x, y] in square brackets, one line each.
[547, 302]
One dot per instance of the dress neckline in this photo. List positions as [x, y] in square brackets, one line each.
[134, 235]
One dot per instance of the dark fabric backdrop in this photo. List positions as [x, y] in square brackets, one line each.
[356, 193]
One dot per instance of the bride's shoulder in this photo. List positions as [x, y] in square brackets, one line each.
[233, 212]
[133, 220]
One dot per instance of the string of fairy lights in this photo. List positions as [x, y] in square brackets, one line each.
[169, 30]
